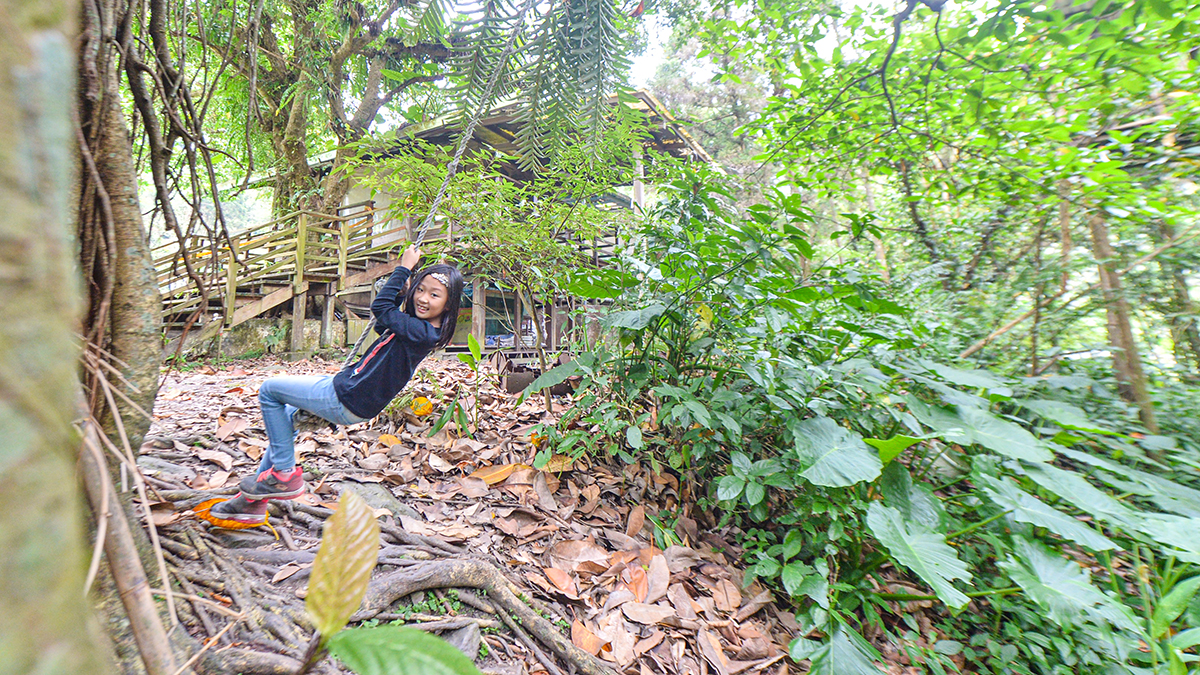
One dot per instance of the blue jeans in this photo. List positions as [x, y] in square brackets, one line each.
[280, 398]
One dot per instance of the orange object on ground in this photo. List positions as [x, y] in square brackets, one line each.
[203, 512]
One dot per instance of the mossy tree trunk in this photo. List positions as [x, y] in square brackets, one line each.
[43, 627]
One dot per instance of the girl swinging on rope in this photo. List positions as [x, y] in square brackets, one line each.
[410, 326]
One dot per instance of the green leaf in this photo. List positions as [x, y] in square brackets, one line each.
[342, 569]
[976, 379]
[924, 552]
[1171, 606]
[556, 375]
[793, 541]
[945, 423]
[633, 436]
[1028, 509]
[816, 587]
[398, 650]
[792, 577]
[473, 345]
[844, 653]
[834, 456]
[635, 319]
[1081, 494]
[1063, 588]
[468, 359]
[1185, 639]
[914, 502]
[755, 492]
[730, 487]
[1006, 438]
[891, 448]
[1065, 415]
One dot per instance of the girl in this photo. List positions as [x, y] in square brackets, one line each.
[408, 331]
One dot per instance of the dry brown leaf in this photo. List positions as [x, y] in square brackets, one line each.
[646, 614]
[558, 464]
[637, 518]
[679, 597]
[586, 639]
[234, 426]
[495, 474]
[288, 570]
[621, 640]
[646, 644]
[561, 580]
[473, 487]
[637, 583]
[680, 558]
[217, 457]
[439, 464]
[567, 555]
[726, 595]
[218, 479]
[545, 496]
[710, 647]
[164, 513]
[659, 578]
[373, 463]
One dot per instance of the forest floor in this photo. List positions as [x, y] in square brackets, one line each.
[576, 541]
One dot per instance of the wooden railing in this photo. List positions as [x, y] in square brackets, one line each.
[299, 247]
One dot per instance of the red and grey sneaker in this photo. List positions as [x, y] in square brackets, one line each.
[241, 510]
[271, 484]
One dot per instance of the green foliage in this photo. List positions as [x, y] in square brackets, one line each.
[396, 650]
[795, 407]
[342, 569]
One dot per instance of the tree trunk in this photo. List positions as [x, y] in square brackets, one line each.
[45, 623]
[1127, 363]
[1185, 336]
[135, 325]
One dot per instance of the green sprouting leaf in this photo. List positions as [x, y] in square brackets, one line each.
[342, 569]
[1172, 605]
[1028, 509]
[1063, 414]
[635, 319]
[476, 349]
[469, 359]
[834, 456]
[913, 501]
[924, 552]
[845, 652]
[792, 577]
[1063, 588]
[1006, 438]
[755, 492]
[816, 588]
[891, 448]
[730, 487]
[399, 650]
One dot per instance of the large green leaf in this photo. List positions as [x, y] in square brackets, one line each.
[635, 319]
[1006, 438]
[1180, 535]
[398, 650]
[921, 550]
[1172, 605]
[1063, 588]
[845, 652]
[833, 456]
[342, 570]
[890, 448]
[556, 375]
[1065, 415]
[1029, 509]
[1168, 494]
[945, 423]
[981, 379]
[913, 501]
[1076, 491]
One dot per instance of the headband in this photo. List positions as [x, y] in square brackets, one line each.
[441, 276]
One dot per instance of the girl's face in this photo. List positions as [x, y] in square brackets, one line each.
[430, 300]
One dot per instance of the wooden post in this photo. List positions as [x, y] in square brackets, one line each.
[343, 246]
[231, 273]
[479, 310]
[327, 317]
[517, 341]
[300, 300]
[555, 328]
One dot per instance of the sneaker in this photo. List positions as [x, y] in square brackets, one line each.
[241, 510]
[271, 484]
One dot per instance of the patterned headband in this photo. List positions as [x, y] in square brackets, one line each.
[440, 276]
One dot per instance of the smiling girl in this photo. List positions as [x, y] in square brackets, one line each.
[408, 332]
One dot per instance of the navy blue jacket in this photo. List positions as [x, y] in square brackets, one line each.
[367, 386]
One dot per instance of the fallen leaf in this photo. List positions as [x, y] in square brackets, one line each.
[234, 426]
[558, 464]
[659, 579]
[637, 583]
[727, 596]
[436, 462]
[288, 570]
[561, 580]
[645, 613]
[680, 558]
[646, 644]
[218, 480]
[473, 487]
[637, 518]
[585, 639]
[710, 647]
[373, 463]
[388, 440]
[217, 457]
[679, 597]
[567, 555]
[495, 474]
[544, 494]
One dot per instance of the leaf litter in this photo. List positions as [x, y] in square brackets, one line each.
[574, 536]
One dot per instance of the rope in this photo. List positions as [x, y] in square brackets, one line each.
[452, 168]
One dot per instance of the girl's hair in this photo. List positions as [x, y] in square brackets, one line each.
[453, 299]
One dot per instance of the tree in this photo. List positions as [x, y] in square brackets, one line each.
[44, 626]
